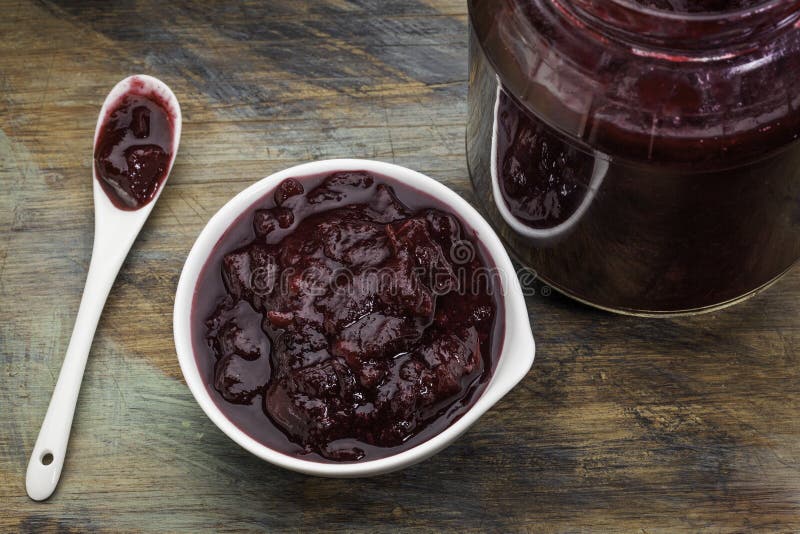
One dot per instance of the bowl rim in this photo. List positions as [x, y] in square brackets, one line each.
[516, 356]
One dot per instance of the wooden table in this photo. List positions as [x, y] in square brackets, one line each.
[623, 423]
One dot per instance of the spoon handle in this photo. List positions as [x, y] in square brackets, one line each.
[47, 458]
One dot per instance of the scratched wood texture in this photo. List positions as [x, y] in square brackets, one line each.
[623, 424]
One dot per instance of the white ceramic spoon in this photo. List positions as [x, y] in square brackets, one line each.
[114, 232]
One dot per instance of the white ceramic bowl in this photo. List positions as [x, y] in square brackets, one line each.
[512, 366]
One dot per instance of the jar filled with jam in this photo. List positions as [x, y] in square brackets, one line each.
[640, 155]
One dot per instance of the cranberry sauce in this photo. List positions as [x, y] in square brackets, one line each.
[346, 317]
[133, 149]
[649, 160]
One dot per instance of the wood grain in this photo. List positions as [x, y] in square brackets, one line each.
[623, 424]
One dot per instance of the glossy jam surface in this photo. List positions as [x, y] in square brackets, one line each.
[346, 318]
[676, 138]
[133, 149]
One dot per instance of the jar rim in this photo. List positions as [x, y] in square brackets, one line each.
[704, 16]
[550, 58]
[698, 33]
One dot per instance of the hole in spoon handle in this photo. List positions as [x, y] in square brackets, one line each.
[44, 471]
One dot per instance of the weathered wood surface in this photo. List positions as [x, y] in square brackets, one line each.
[623, 423]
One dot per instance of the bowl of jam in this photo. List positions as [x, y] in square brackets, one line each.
[349, 318]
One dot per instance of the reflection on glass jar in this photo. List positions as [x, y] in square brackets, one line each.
[641, 157]
[541, 183]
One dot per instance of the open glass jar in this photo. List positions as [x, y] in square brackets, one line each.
[641, 155]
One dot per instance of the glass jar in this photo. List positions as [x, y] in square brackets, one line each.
[641, 159]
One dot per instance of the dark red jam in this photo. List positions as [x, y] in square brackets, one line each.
[346, 317]
[641, 160]
[133, 149]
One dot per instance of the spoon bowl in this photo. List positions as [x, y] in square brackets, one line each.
[106, 213]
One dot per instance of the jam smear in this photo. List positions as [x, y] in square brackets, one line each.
[354, 324]
[133, 150]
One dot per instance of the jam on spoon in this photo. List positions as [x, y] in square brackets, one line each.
[133, 149]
